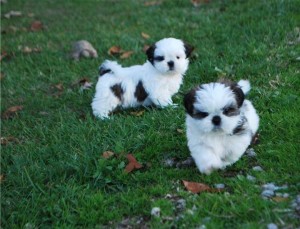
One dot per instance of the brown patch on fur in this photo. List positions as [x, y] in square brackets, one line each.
[140, 92]
[117, 90]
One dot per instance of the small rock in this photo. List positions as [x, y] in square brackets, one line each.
[285, 195]
[272, 226]
[155, 211]
[257, 168]
[180, 204]
[169, 162]
[220, 186]
[268, 193]
[270, 186]
[251, 178]
[250, 152]
[83, 49]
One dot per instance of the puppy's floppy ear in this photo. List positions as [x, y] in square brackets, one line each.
[188, 49]
[150, 53]
[189, 100]
[239, 94]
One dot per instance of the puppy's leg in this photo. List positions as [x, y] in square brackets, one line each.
[103, 104]
[205, 159]
[162, 101]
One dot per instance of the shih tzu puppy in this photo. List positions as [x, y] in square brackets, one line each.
[152, 83]
[220, 123]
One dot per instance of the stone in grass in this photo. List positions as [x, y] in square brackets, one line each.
[83, 49]
[180, 204]
[155, 212]
[272, 226]
[251, 178]
[268, 193]
[219, 186]
[250, 152]
[258, 169]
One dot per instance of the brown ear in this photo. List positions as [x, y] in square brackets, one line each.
[150, 53]
[188, 49]
[239, 95]
[189, 100]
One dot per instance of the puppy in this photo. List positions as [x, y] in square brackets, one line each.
[220, 123]
[154, 82]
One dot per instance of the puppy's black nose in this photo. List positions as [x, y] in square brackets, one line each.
[171, 64]
[216, 120]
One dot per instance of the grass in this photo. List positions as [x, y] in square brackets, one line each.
[54, 175]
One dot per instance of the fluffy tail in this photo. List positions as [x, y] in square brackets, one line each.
[245, 86]
[109, 67]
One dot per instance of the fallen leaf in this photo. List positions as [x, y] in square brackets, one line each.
[114, 50]
[152, 3]
[84, 84]
[10, 112]
[146, 47]
[3, 55]
[133, 164]
[59, 87]
[197, 3]
[36, 26]
[195, 187]
[28, 50]
[108, 154]
[126, 54]
[6, 140]
[279, 199]
[138, 113]
[180, 131]
[13, 13]
[2, 178]
[145, 35]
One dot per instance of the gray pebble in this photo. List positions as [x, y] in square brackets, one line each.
[268, 193]
[272, 226]
[220, 186]
[251, 178]
[257, 168]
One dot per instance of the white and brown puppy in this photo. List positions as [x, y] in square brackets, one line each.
[154, 82]
[220, 123]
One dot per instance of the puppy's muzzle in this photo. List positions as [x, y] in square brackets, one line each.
[216, 120]
[171, 65]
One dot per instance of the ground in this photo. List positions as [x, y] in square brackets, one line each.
[53, 174]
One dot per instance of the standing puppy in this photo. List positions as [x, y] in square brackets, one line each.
[154, 82]
[220, 124]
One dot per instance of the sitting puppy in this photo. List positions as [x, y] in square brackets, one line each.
[154, 82]
[220, 123]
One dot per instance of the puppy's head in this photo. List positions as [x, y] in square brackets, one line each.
[215, 107]
[170, 56]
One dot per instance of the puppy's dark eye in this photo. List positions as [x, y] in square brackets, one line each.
[200, 114]
[230, 111]
[178, 57]
[159, 58]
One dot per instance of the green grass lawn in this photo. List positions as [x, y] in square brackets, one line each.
[52, 171]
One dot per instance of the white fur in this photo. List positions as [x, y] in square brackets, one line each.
[217, 147]
[158, 80]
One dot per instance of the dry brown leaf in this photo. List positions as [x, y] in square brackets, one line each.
[180, 131]
[6, 140]
[146, 47]
[153, 3]
[2, 178]
[133, 164]
[84, 83]
[126, 54]
[114, 50]
[138, 113]
[279, 199]
[36, 26]
[195, 187]
[10, 112]
[197, 3]
[13, 13]
[59, 86]
[145, 35]
[108, 154]
[28, 50]
[3, 55]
